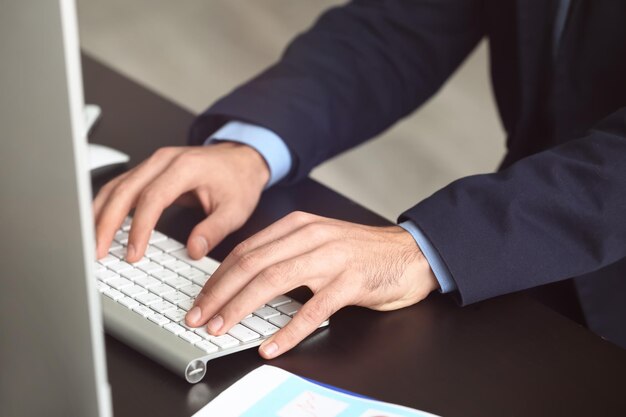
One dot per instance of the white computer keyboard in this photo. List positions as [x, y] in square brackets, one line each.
[145, 303]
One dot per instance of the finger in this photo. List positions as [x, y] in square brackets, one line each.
[175, 180]
[276, 230]
[121, 199]
[312, 314]
[211, 231]
[275, 280]
[231, 278]
[104, 193]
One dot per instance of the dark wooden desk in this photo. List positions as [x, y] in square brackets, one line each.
[509, 356]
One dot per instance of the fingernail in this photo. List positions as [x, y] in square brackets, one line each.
[130, 251]
[202, 243]
[215, 324]
[193, 315]
[270, 349]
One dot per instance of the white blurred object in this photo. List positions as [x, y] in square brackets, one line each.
[101, 156]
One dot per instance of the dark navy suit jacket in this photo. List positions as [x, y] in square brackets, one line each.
[557, 207]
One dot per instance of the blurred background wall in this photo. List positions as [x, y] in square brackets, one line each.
[194, 51]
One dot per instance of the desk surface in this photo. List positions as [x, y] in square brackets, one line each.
[507, 356]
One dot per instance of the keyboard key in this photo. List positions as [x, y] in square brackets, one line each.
[201, 331]
[175, 315]
[126, 224]
[169, 245]
[164, 274]
[207, 265]
[113, 293]
[133, 274]
[186, 305]
[207, 346]
[280, 321]
[191, 290]
[225, 341]
[162, 306]
[119, 283]
[101, 286]
[119, 252]
[143, 310]
[119, 266]
[121, 237]
[159, 319]
[161, 289]
[150, 267]
[193, 273]
[105, 275]
[108, 260]
[190, 337]
[266, 312]
[148, 298]
[176, 297]
[177, 282]
[174, 328]
[243, 333]
[147, 282]
[128, 302]
[162, 258]
[157, 237]
[177, 266]
[279, 301]
[290, 308]
[99, 267]
[134, 290]
[140, 262]
[260, 326]
[152, 251]
[114, 246]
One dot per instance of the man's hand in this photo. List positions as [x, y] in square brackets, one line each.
[226, 179]
[342, 263]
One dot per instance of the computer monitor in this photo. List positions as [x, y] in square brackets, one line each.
[51, 339]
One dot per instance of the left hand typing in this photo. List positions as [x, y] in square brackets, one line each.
[343, 264]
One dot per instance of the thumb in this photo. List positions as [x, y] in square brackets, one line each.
[211, 231]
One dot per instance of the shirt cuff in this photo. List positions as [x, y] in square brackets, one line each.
[443, 275]
[271, 147]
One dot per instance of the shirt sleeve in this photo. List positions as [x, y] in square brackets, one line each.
[271, 147]
[443, 275]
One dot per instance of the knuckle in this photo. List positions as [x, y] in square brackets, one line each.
[317, 231]
[248, 262]
[151, 195]
[163, 153]
[317, 312]
[206, 297]
[291, 334]
[241, 249]
[272, 276]
[122, 189]
[188, 158]
[299, 216]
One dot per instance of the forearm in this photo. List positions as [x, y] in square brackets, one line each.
[551, 216]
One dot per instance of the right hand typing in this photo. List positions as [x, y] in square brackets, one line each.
[225, 179]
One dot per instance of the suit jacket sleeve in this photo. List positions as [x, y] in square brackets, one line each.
[359, 69]
[555, 215]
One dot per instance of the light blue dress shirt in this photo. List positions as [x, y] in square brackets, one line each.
[278, 158]
[271, 147]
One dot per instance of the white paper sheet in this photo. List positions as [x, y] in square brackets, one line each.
[272, 392]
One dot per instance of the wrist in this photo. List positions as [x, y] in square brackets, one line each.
[251, 162]
[421, 265]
